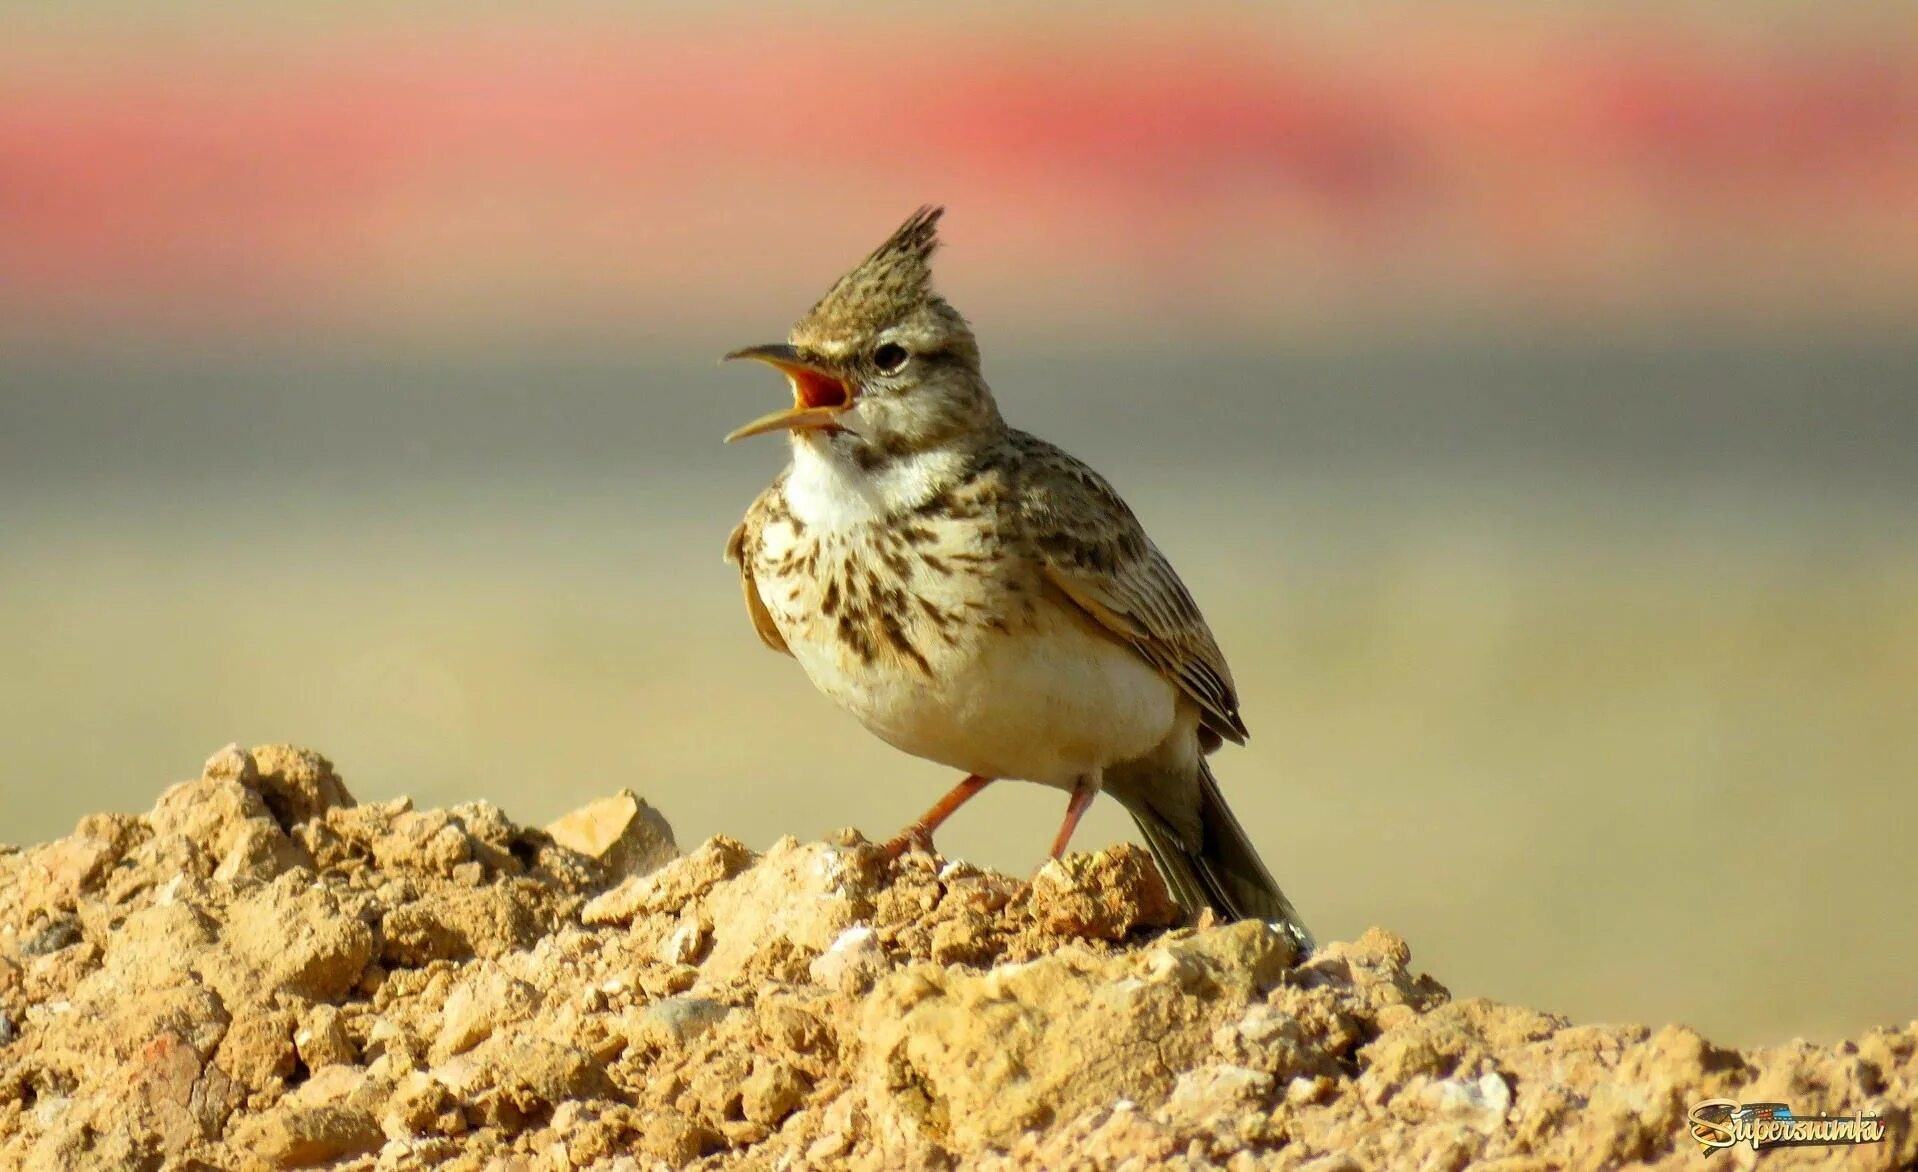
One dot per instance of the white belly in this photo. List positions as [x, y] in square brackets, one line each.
[1049, 702]
[992, 675]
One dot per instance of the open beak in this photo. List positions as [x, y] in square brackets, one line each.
[819, 397]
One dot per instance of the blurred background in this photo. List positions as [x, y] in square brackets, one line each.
[1529, 395]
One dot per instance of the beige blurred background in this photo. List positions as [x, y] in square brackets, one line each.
[1528, 395]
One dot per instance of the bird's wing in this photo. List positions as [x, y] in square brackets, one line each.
[739, 552]
[1098, 555]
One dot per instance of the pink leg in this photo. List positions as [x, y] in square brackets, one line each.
[920, 832]
[1082, 795]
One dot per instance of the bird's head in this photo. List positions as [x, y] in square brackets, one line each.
[882, 367]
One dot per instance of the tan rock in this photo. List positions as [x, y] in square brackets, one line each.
[671, 886]
[320, 1038]
[853, 961]
[1105, 896]
[297, 784]
[485, 1001]
[458, 923]
[232, 764]
[675, 1141]
[259, 853]
[422, 1105]
[676, 1021]
[336, 1084]
[772, 1092]
[211, 813]
[289, 937]
[156, 946]
[258, 1049]
[686, 943]
[297, 1136]
[83, 860]
[509, 1081]
[497, 844]
[964, 1061]
[156, 1091]
[785, 911]
[622, 833]
[432, 841]
[177, 991]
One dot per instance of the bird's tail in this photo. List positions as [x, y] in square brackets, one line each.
[1221, 870]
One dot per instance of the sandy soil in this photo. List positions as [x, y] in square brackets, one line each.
[260, 972]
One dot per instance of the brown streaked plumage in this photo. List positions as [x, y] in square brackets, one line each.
[976, 596]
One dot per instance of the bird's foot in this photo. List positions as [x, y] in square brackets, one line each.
[916, 837]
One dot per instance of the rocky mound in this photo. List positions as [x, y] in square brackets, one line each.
[261, 973]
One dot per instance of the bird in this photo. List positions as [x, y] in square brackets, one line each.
[976, 597]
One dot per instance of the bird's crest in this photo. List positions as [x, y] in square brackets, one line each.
[893, 281]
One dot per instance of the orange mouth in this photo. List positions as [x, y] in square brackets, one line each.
[819, 397]
[812, 388]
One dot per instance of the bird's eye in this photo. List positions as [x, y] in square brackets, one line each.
[889, 357]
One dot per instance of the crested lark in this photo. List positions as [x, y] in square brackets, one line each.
[977, 597]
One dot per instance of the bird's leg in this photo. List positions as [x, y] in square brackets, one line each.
[919, 834]
[1081, 801]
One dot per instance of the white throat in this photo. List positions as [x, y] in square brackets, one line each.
[831, 492]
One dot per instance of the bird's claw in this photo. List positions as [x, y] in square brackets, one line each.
[914, 837]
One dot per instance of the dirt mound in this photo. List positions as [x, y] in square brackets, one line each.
[260, 972]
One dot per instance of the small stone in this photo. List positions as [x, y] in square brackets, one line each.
[297, 784]
[294, 937]
[259, 853]
[676, 1021]
[463, 922]
[1489, 1092]
[258, 1048]
[82, 860]
[320, 1039]
[672, 886]
[1303, 1092]
[966, 938]
[1103, 896]
[676, 1141]
[298, 1136]
[743, 1133]
[421, 1105]
[231, 764]
[656, 982]
[685, 944]
[432, 841]
[828, 1146]
[852, 963]
[771, 1092]
[210, 812]
[622, 833]
[56, 934]
[332, 1084]
[478, 1007]
[1209, 1090]
[511, 1081]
